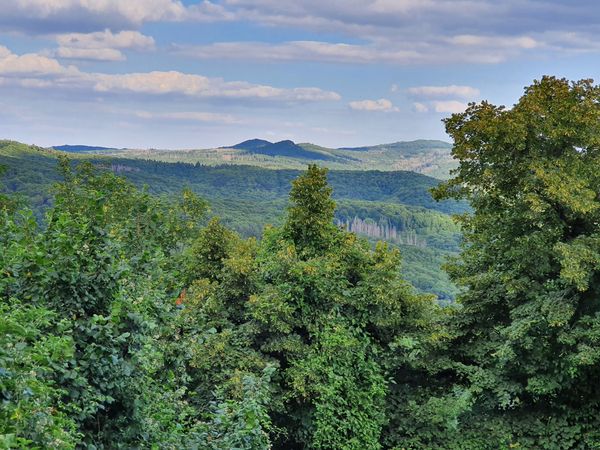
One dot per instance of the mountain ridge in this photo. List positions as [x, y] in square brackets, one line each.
[285, 148]
[402, 145]
[79, 148]
[428, 157]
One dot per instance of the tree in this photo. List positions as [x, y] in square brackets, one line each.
[328, 308]
[98, 284]
[528, 331]
[126, 324]
[8, 204]
[309, 221]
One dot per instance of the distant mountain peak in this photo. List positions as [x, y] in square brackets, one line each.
[251, 144]
[285, 148]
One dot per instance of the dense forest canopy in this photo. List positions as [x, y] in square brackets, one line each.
[130, 321]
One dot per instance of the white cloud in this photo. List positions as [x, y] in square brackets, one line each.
[462, 31]
[301, 51]
[89, 13]
[400, 50]
[102, 45]
[192, 85]
[515, 42]
[447, 95]
[444, 91]
[450, 106]
[31, 65]
[34, 83]
[193, 116]
[309, 51]
[420, 107]
[34, 66]
[383, 105]
[392, 35]
[55, 16]
[106, 39]
[360, 16]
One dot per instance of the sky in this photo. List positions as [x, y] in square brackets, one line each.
[338, 73]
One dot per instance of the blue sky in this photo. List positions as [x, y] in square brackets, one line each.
[197, 74]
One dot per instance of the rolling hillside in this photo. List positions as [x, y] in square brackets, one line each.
[83, 149]
[427, 157]
[286, 149]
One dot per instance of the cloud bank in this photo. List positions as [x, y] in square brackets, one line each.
[34, 70]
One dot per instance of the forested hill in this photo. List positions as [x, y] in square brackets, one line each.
[83, 148]
[282, 148]
[247, 198]
[429, 157]
[30, 165]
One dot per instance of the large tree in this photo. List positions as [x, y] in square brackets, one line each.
[329, 309]
[528, 331]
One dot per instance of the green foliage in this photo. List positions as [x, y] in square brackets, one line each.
[328, 307]
[528, 329]
[309, 221]
[34, 344]
[348, 387]
[178, 336]
[206, 256]
[243, 424]
[102, 274]
[7, 204]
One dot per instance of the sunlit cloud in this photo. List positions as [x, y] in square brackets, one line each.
[449, 106]
[420, 107]
[381, 105]
[34, 66]
[101, 45]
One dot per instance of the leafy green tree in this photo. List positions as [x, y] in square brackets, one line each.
[209, 344]
[244, 423]
[528, 330]
[8, 204]
[105, 269]
[328, 308]
[309, 221]
[205, 259]
[146, 330]
[32, 350]
[35, 345]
